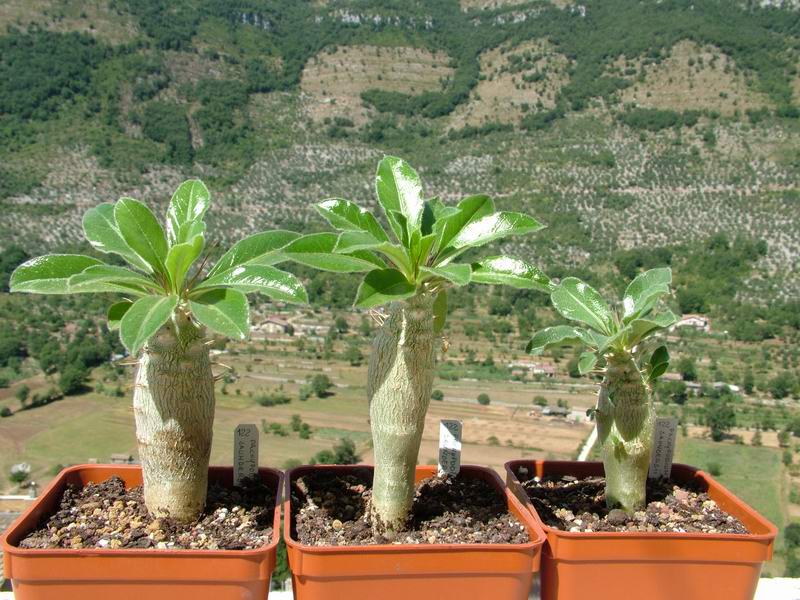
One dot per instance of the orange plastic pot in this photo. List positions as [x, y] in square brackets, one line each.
[404, 571]
[101, 574]
[658, 565]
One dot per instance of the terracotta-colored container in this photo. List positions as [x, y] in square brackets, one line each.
[103, 574]
[403, 571]
[655, 566]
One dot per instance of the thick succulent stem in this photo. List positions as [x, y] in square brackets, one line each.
[625, 419]
[173, 402]
[399, 389]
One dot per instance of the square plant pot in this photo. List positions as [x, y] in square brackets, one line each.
[403, 571]
[100, 573]
[657, 565]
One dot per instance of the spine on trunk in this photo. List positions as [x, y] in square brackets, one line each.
[173, 403]
[399, 385]
[625, 419]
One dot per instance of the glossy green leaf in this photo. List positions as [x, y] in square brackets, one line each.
[189, 204]
[659, 363]
[456, 273]
[116, 312]
[180, 258]
[441, 210]
[382, 286]
[353, 241]
[424, 247]
[110, 278]
[439, 311]
[560, 335]
[641, 328]
[317, 250]
[143, 319]
[142, 232]
[49, 274]
[643, 292]
[399, 189]
[348, 216]
[261, 248]
[578, 301]
[404, 238]
[493, 227]
[504, 270]
[100, 229]
[450, 221]
[586, 362]
[268, 280]
[223, 310]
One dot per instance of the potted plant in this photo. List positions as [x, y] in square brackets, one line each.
[170, 303]
[632, 548]
[410, 273]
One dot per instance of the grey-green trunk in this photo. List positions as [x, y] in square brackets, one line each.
[173, 402]
[400, 379]
[625, 419]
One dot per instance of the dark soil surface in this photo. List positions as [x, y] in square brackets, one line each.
[457, 510]
[106, 515]
[573, 504]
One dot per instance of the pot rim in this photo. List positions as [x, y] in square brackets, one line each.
[533, 528]
[14, 550]
[742, 507]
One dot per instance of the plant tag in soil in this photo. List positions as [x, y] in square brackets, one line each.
[663, 447]
[245, 452]
[449, 447]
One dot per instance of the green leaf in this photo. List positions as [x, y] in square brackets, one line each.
[142, 232]
[659, 363]
[450, 221]
[353, 241]
[643, 292]
[268, 280]
[560, 335]
[110, 278]
[261, 248]
[142, 320]
[424, 248]
[456, 273]
[189, 204]
[348, 216]
[100, 229]
[382, 286]
[439, 311]
[492, 227]
[399, 189]
[586, 362]
[642, 328]
[116, 312]
[49, 274]
[317, 250]
[504, 270]
[578, 301]
[180, 258]
[223, 310]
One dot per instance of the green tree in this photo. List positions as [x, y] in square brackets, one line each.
[320, 385]
[483, 399]
[756, 440]
[720, 418]
[22, 394]
[171, 302]
[353, 355]
[781, 385]
[437, 395]
[412, 274]
[617, 344]
[687, 368]
[71, 380]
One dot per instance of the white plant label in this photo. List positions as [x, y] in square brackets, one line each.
[449, 447]
[666, 428]
[245, 452]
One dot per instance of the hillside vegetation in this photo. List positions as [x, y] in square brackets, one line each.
[642, 134]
